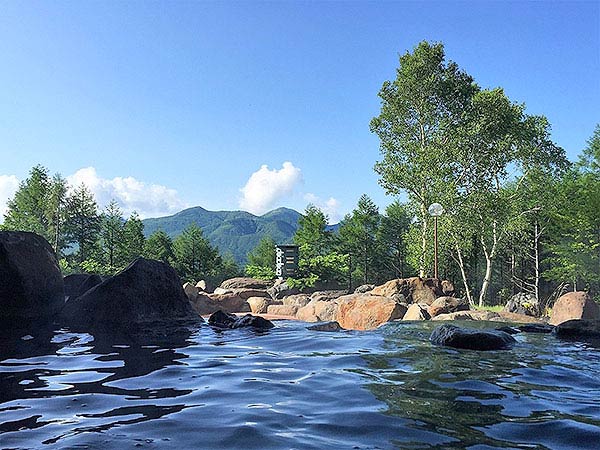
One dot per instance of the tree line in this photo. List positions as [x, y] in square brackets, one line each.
[87, 239]
[519, 217]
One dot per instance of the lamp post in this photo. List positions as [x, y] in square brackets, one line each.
[435, 210]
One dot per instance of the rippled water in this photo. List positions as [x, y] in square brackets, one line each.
[294, 388]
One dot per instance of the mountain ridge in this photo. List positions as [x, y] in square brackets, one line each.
[235, 232]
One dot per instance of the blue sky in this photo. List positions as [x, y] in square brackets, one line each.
[253, 105]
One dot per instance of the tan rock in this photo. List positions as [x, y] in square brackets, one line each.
[258, 305]
[230, 303]
[298, 300]
[326, 296]
[518, 318]
[245, 283]
[416, 311]
[307, 313]
[445, 305]
[366, 312]
[282, 310]
[204, 305]
[325, 310]
[414, 290]
[222, 291]
[574, 305]
[247, 293]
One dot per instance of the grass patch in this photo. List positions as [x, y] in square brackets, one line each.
[495, 308]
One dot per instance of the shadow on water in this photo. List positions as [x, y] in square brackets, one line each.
[498, 399]
[58, 377]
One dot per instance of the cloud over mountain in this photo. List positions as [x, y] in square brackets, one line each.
[265, 187]
[149, 200]
[331, 206]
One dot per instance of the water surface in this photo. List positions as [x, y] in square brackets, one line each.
[294, 388]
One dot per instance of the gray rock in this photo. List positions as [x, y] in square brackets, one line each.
[146, 291]
[281, 289]
[364, 288]
[523, 303]
[578, 329]
[297, 300]
[536, 328]
[79, 283]
[472, 339]
[31, 285]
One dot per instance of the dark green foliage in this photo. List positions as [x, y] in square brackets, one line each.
[357, 237]
[392, 242]
[82, 226]
[263, 255]
[133, 237]
[38, 206]
[312, 235]
[195, 258]
[159, 246]
[112, 257]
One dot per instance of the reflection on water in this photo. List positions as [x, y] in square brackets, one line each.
[192, 387]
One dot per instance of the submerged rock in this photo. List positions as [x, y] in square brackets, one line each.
[31, 285]
[578, 328]
[471, 339]
[221, 319]
[146, 291]
[326, 326]
[536, 328]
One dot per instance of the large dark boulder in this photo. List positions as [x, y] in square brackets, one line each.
[223, 320]
[468, 338]
[31, 285]
[578, 329]
[146, 291]
[79, 283]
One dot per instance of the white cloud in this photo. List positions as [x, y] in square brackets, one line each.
[330, 206]
[266, 187]
[149, 200]
[8, 186]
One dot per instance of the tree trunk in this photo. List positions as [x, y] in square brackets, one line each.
[536, 249]
[489, 257]
[486, 280]
[461, 265]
